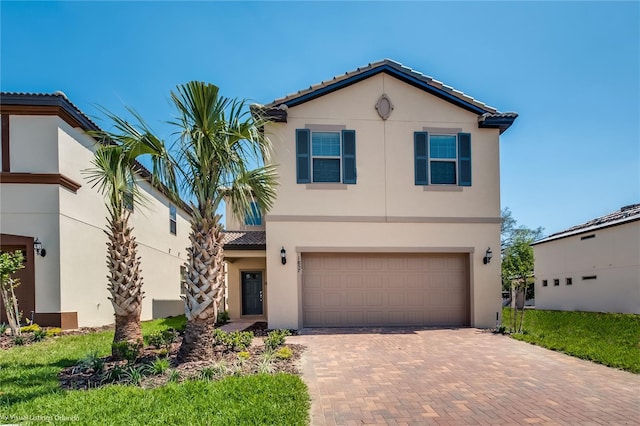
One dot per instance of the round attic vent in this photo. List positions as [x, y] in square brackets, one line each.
[384, 106]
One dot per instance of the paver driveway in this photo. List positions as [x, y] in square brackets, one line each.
[457, 376]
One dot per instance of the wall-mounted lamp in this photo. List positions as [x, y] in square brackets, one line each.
[37, 246]
[487, 256]
[283, 256]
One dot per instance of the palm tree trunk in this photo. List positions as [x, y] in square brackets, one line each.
[125, 280]
[204, 288]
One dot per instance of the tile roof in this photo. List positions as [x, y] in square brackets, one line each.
[489, 117]
[626, 214]
[49, 99]
[244, 240]
[70, 113]
[381, 66]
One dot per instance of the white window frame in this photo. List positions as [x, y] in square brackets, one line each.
[325, 157]
[452, 160]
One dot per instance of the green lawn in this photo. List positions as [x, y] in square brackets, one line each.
[606, 338]
[30, 394]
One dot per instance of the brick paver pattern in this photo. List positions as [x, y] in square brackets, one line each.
[458, 377]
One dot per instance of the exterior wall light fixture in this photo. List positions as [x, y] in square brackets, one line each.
[487, 256]
[37, 246]
[283, 256]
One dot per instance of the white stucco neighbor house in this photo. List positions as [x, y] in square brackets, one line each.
[50, 212]
[388, 204]
[594, 266]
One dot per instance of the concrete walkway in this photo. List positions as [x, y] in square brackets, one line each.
[457, 377]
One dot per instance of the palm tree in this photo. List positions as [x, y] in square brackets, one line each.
[220, 140]
[115, 173]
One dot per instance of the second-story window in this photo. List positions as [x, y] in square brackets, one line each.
[173, 216]
[442, 159]
[325, 156]
[253, 216]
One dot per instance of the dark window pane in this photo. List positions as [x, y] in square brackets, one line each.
[443, 146]
[326, 170]
[443, 172]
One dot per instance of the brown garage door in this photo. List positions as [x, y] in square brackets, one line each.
[355, 290]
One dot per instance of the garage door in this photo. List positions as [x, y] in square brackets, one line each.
[356, 290]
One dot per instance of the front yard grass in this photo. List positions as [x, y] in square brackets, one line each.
[606, 338]
[30, 392]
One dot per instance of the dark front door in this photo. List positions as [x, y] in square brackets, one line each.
[252, 293]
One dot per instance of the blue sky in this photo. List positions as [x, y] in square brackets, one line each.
[570, 69]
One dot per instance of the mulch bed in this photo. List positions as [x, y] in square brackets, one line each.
[225, 363]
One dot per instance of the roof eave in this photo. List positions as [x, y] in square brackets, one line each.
[390, 70]
[502, 123]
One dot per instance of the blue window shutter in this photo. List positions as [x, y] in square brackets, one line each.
[349, 156]
[464, 159]
[303, 156]
[421, 157]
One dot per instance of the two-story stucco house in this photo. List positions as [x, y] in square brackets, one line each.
[44, 198]
[593, 266]
[389, 201]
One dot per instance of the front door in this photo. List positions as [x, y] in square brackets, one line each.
[252, 293]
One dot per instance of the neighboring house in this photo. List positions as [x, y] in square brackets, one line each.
[594, 266]
[44, 196]
[389, 198]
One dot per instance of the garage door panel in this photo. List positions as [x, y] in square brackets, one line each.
[385, 289]
[355, 300]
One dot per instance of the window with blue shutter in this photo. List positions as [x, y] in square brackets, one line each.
[421, 157]
[303, 157]
[442, 159]
[326, 156]
[349, 156]
[464, 159]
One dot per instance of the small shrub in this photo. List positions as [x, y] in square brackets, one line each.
[3, 328]
[31, 328]
[162, 339]
[39, 335]
[53, 331]
[244, 355]
[174, 376]
[162, 353]
[91, 361]
[133, 374]
[126, 350]
[113, 375]
[234, 341]
[223, 318]
[265, 366]
[284, 353]
[207, 374]
[19, 340]
[501, 330]
[159, 366]
[275, 339]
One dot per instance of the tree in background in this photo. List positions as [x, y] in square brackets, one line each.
[10, 263]
[517, 263]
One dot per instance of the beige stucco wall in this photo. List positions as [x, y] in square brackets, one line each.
[73, 275]
[32, 211]
[238, 262]
[613, 256]
[385, 211]
[385, 156]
